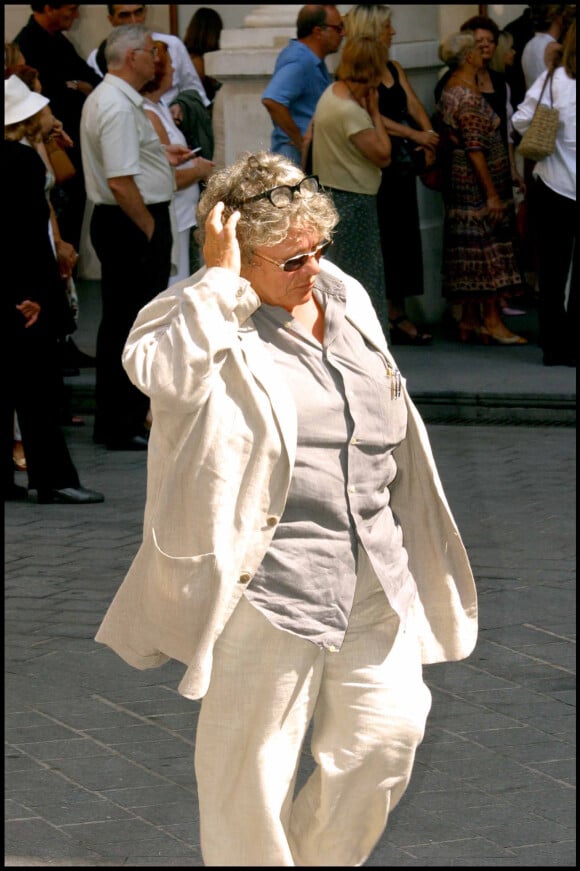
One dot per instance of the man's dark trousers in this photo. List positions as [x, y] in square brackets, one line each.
[133, 271]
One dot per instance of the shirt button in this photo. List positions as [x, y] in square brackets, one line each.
[352, 489]
[244, 578]
[332, 648]
[272, 521]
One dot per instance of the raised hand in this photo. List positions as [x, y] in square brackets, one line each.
[221, 246]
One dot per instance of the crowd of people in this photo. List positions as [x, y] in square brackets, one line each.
[362, 132]
[119, 136]
[493, 239]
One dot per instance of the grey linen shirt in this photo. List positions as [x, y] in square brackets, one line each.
[350, 419]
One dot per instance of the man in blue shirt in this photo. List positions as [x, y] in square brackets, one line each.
[300, 77]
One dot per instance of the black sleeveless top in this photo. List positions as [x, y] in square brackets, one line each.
[393, 100]
[393, 104]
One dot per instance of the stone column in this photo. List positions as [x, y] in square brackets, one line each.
[244, 65]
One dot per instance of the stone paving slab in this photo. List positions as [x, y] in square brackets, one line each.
[99, 766]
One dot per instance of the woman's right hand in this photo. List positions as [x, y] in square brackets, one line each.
[370, 102]
[427, 139]
[495, 208]
[221, 246]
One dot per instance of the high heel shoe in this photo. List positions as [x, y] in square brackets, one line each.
[18, 457]
[488, 335]
[402, 337]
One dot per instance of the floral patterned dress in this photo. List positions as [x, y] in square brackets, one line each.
[479, 260]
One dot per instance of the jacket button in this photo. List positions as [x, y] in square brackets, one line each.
[272, 521]
[244, 578]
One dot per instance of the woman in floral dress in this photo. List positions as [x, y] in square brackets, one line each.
[479, 263]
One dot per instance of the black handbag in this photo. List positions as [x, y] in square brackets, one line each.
[406, 155]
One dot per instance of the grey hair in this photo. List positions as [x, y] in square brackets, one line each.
[454, 49]
[261, 223]
[123, 39]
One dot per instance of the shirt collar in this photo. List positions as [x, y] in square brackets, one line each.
[125, 88]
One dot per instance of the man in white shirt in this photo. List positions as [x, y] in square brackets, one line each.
[537, 56]
[185, 75]
[129, 180]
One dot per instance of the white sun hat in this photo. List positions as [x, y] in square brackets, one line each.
[20, 102]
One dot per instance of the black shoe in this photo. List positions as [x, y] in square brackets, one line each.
[131, 443]
[15, 493]
[399, 336]
[70, 496]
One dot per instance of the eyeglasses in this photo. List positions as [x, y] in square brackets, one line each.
[338, 28]
[283, 194]
[293, 264]
[152, 51]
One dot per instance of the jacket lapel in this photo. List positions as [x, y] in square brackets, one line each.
[259, 362]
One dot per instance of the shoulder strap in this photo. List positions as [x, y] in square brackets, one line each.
[549, 78]
[393, 71]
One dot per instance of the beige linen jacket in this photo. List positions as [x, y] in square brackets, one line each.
[220, 460]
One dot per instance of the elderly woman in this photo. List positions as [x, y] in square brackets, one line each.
[479, 263]
[35, 312]
[299, 556]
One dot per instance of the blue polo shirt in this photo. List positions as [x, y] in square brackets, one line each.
[299, 79]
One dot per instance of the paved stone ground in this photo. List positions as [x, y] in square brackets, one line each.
[99, 767]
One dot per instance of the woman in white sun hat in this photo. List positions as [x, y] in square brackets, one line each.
[35, 307]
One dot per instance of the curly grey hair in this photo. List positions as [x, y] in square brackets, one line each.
[454, 49]
[261, 223]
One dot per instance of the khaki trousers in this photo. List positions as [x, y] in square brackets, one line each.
[369, 706]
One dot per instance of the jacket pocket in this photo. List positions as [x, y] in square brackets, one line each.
[180, 593]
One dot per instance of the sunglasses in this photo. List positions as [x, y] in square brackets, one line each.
[283, 194]
[293, 264]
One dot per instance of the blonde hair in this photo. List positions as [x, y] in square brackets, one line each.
[366, 20]
[505, 42]
[12, 55]
[455, 48]
[30, 129]
[262, 223]
[363, 60]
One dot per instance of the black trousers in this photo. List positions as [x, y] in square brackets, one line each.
[33, 388]
[554, 222]
[133, 271]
